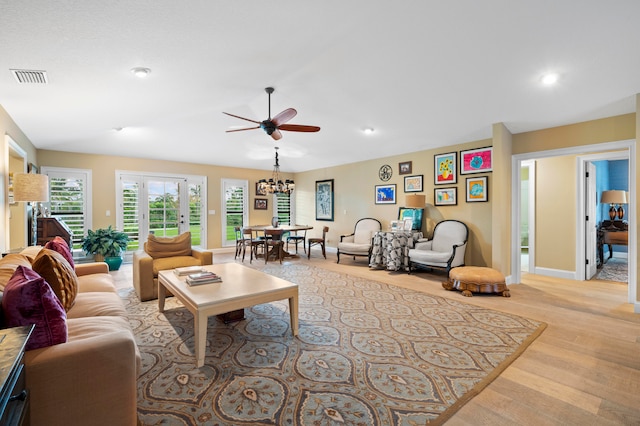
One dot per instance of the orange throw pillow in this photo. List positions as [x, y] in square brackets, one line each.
[55, 269]
[157, 247]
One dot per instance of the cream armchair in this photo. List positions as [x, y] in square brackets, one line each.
[359, 243]
[445, 250]
[161, 253]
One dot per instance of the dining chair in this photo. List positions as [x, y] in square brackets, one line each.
[296, 238]
[318, 241]
[239, 240]
[251, 243]
[273, 243]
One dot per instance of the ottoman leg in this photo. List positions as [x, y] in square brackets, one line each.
[448, 285]
[467, 293]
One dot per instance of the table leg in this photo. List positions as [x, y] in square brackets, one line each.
[293, 312]
[200, 337]
[162, 293]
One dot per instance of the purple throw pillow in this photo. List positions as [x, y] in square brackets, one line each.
[60, 245]
[28, 299]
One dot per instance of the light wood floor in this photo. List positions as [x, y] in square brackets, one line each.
[583, 370]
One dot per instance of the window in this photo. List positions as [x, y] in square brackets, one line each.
[283, 208]
[70, 199]
[234, 205]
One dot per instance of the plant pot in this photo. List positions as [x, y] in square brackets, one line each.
[98, 258]
[113, 262]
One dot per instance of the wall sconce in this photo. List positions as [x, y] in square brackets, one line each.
[34, 189]
[612, 198]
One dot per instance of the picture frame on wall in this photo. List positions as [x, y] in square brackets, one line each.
[324, 199]
[477, 189]
[413, 183]
[445, 167]
[386, 194]
[405, 168]
[260, 204]
[478, 160]
[445, 196]
[260, 191]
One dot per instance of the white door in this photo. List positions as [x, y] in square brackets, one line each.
[165, 203]
[590, 222]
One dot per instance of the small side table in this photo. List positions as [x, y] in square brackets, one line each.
[476, 279]
[14, 397]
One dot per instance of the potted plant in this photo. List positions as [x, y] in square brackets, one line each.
[106, 244]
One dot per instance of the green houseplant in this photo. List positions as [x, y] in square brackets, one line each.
[106, 244]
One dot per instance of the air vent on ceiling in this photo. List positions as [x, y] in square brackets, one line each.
[30, 76]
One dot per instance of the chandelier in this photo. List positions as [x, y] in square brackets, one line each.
[275, 185]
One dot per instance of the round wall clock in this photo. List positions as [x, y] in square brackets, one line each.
[385, 172]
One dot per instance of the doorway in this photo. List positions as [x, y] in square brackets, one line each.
[627, 148]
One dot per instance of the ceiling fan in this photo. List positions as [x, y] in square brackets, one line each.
[272, 126]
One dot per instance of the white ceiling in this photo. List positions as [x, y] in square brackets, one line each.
[424, 74]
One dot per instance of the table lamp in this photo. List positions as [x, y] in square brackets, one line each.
[612, 198]
[415, 201]
[34, 189]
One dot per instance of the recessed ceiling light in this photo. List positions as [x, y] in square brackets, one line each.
[368, 130]
[550, 79]
[141, 72]
[118, 129]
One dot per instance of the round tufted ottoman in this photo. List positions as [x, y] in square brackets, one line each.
[477, 279]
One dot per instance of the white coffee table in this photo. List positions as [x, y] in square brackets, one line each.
[241, 287]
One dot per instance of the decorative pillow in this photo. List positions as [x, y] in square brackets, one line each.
[60, 245]
[28, 299]
[59, 274]
[168, 246]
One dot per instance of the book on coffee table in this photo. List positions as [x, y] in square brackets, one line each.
[187, 270]
[204, 277]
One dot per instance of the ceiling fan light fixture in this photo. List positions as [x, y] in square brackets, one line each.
[141, 72]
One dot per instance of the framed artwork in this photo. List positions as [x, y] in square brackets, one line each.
[477, 189]
[386, 194]
[260, 191]
[446, 196]
[260, 203]
[32, 168]
[413, 183]
[324, 199]
[445, 168]
[476, 160]
[405, 168]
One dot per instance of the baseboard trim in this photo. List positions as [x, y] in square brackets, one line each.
[556, 273]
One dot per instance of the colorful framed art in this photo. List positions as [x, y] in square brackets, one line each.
[478, 160]
[445, 168]
[477, 189]
[386, 194]
[324, 199]
[413, 183]
[445, 196]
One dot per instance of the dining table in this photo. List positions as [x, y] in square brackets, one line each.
[277, 233]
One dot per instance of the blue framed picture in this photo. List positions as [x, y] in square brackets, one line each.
[386, 194]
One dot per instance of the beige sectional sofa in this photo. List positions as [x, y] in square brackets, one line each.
[90, 379]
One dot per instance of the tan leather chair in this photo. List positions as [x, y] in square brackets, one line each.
[162, 253]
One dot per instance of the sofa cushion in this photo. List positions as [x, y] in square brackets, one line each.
[59, 274]
[60, 245]
[28, 299]
[166, 263]
[96, 282]
[8, 265]
[353, 248]
[97, 304]
[158, 247]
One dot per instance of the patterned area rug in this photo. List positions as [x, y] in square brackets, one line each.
[367, 354]
[614, 269]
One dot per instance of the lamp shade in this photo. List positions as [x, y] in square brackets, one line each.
[614, 197]
[415, 201]
[30, 187]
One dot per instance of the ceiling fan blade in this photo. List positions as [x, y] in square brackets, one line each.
[298, 128]
[242, 118]
[240, 130]
[284, 116]
[276, 135]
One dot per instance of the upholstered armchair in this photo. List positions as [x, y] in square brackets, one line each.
[162, 253]
[359, 243]
[444, 250]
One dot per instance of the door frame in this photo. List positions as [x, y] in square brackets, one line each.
[625, 145]
[531, 165]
